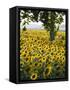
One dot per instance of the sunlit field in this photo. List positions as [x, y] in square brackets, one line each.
[41, 58]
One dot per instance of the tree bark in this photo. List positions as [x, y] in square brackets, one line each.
[52, 33]
[52, 36]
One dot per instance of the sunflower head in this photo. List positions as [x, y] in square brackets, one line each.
[47, 71]
[33, 76]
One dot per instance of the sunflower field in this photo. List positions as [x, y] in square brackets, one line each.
[39, 57]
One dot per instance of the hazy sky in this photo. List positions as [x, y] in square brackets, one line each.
[35, 25]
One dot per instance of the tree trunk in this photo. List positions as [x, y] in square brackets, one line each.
[24, 29]
[52, 36]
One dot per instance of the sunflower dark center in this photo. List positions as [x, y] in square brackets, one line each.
[33, 76]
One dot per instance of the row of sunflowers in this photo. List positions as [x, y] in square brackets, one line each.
[41, 58]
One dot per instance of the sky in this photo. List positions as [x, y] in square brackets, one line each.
[35, 25]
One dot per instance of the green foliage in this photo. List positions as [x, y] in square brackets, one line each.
[48, 18]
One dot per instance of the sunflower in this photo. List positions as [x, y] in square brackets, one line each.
[35, 64]
[52, 57]
[33, 76]
[47, 71]
[37, 51]
[53, 49]
[23, 54]
[43, 59]
[62, 51]
[39, 64]
[63, 60]
[32, 58]
[21, 63]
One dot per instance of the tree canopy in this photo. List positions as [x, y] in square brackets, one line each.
[51, 19]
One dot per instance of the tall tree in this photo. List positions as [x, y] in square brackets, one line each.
[51, 19]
